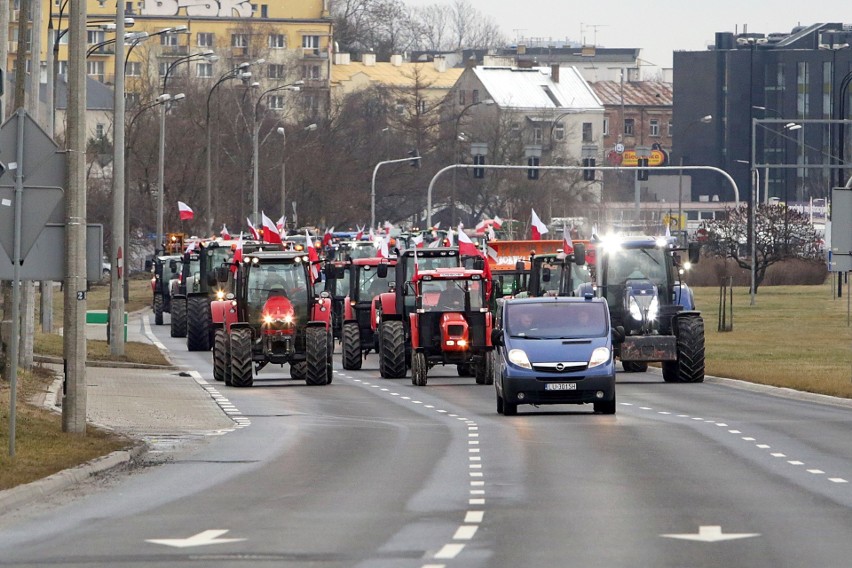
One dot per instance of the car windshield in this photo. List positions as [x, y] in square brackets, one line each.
[563, 320]
[266, 280]
[449, 295]
[369, 283]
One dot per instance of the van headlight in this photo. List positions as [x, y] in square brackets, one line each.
[600, 356]
[519, 357]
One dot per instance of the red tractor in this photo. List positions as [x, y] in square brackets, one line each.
[451, 323]
[273, 316]
[367, 278]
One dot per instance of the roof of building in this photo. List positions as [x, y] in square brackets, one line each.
[634, 93]
[397, 75]
[534, 88]
[98, 95]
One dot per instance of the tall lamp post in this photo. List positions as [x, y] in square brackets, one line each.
[283, 132]
[707, 119]
[166, 101]
[255, 154]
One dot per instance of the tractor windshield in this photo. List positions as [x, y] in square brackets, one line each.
[217, 256]
[193, 279]
[429, 263]
[362, 250]
[636, 264]
[266, 280]
[370, 285]
[449, 295]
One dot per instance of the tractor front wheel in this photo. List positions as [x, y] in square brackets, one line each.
[219, 354]
[159, 305]
[316, 352]
[178, 327]
[242, 374]
[198, 323]
[392, 349]
[419, 369]
[351, 346]
[689, 367]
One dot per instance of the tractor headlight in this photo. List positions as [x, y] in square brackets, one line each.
[600, 356]
[635, 310]
[654, 308]
[519, 357]
[220, 295]
[267, 319]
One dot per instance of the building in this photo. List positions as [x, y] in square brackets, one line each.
[791, 84]
[286, 42]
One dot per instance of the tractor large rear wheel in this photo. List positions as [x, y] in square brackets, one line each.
[298, 370]
[689, 367]
[351, 346]
[219, 354]
[241, 364]
[316, 356]
[159, 305]
[392, 349]
[198, 323]
[178, 328]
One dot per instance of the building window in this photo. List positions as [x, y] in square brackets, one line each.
[559, 132]
[170, 40]
[421, 106]
[536, 135]
[131, 99]
[587, 132]
[205, 39]
[264, 11]
[134, 69]
[204, 70]
[163, 68]
[277, 41]
[669, 129]
[63, 39]
[516, 127]
[311, 105]
[275, 102]
[100, 131]
[628, 127]
[94, 36]
[461, 97]
[606, 127]
[311, 72]
[239, 40]
[63, 68]
[275, 71]
[95, 68]
[311, 42]
[475, 96]
[654, 128]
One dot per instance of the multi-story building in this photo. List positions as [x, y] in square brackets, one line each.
[794, 79]
[287, 42]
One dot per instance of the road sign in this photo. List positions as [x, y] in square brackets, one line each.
[46, 259]
[41, 205]
[44, 162]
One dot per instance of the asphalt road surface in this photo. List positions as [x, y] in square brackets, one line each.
[370, 472]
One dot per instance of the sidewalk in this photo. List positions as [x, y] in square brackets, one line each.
[154, 405]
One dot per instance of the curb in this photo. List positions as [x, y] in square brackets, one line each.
[14, 498]
[96, 363]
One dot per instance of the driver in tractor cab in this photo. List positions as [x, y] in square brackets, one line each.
[275, 286]
[452, 298]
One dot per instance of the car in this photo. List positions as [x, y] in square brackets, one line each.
[554, 350]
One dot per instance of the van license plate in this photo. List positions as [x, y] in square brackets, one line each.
[560, 386]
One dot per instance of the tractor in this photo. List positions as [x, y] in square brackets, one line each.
[165, 270]
[392, 308]
[558, 274]
[272, 316]
[640, 277]
[451, 323]
[368, 278]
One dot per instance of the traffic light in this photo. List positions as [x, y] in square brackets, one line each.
[532, 162]
[479, 160]
[414, 162]
[642, 173]
[588, 175]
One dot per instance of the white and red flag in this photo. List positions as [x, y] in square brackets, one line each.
[417, 241]
[382, 246]
[467, 248]
[359, 234]
[238, 253]
[537, 228]
[280, 224]
[224, 233]
[185, 211]
[326, 238]
[313, 256]
[567, 244]
[270, 231]
[252, 230]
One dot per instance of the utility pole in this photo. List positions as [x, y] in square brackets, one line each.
[116, 280]
[74, 333]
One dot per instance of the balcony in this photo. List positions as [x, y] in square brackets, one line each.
[314, 53]
[174, 50]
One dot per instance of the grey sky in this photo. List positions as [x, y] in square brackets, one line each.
[658, 28]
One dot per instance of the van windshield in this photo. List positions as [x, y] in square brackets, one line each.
[563, 320]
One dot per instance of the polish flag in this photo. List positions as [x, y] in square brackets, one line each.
[185, 211]
[280, 223]
[537, 228]
[383, 248]
[270, 231]
[418, 241]
[359, 234]
[435, 244]
[497, 222]
[450, 240]
[224, 233]
[326, 238]
[467, 248]
[252, 230]
[313, 257]
[567, 245]
[238, 253]
[191, 247]
[492, 236]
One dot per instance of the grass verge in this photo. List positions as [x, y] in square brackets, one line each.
[794, 336]
[41, 447]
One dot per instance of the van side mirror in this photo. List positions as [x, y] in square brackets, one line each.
[497, 337]
[580, 254]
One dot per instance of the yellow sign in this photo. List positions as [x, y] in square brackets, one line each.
[672, 221]
[629, 158]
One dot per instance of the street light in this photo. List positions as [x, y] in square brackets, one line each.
[752, 228]
[707, 119]
[283, 132]
[165, 100]
[207, 55]
[255, 154]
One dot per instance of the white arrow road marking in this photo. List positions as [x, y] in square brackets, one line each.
[710, 534]
[201, 539]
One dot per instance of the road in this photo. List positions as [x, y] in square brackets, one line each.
[369, 472]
